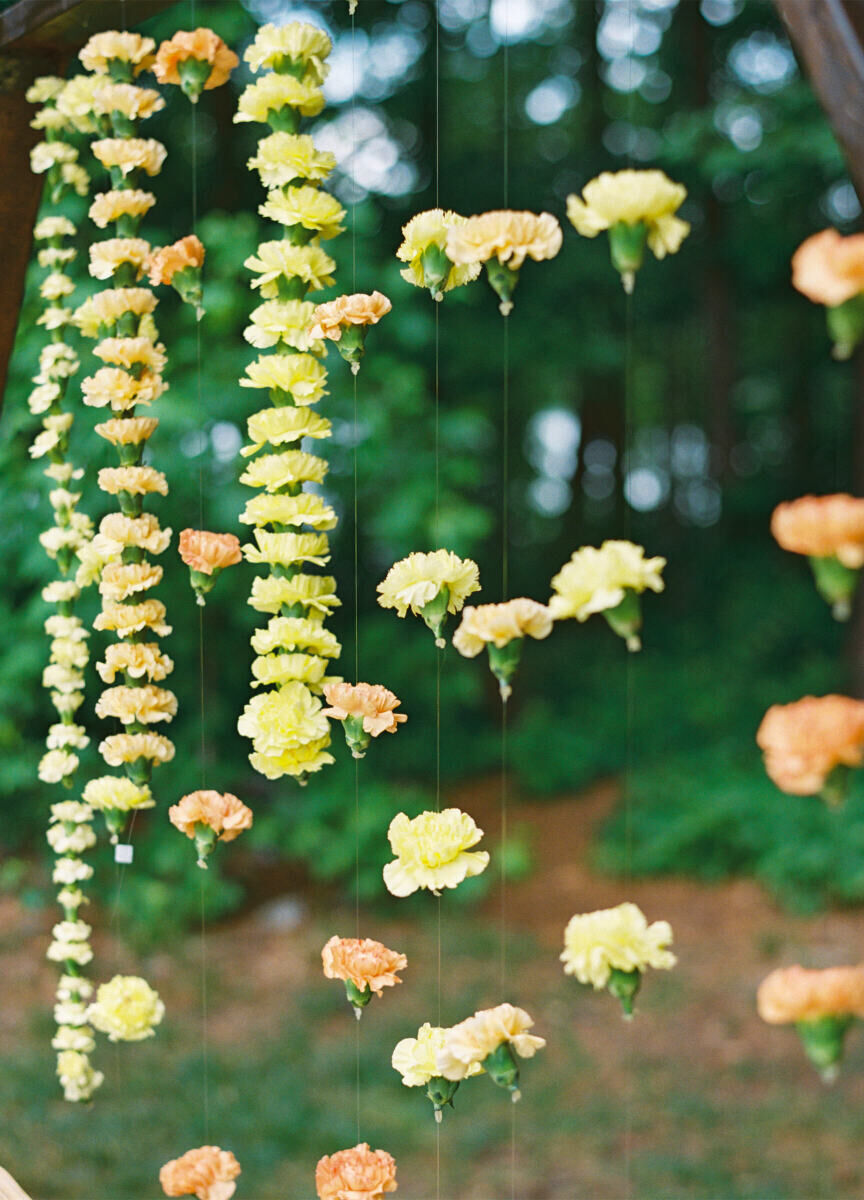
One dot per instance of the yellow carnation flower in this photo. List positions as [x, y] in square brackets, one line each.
[49, 118]
[107, 256]
[131, 352]
[127, 1009]
[126, 619]
[472, 1041]
[430, 585]
[137, 481]
[509, 236]
[423, 248]
[130, 154]
[288, 549]
[135, 659]
[46, 155]
[143, 532]
[93, 557]
[278, 669]
[99, 51]
[602, 580]
[307, 207]
[499, 624]
[145, 705]
[129, 431]
[317, 593]
[45, 88]
[56, 285]
[287, 321]
[296, 633]
[280, 425]
[305, 509]
[300, 375]
[53, 227]
[415, 1058]
[115, 791]
[614, 939]
[432, 851]
[275, 471]
[283, 158]
[298, 42]
[77, 102]
[106, 308]
[132, 102]
[275, 260]
[272, 93]
[111, 206]
[281, 720]
[296, 763]
[120, 389]
[121, 748]
[121, 580]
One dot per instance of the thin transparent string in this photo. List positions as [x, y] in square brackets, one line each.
[437, 543]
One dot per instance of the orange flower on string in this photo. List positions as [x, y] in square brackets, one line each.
[365, 709]
[180, 266]
[206, 554]
[830, 531]
[207, 1172]
[809, 745]
[345, 321]
[356, 1174]
[828, 269]
[364, 965]
[208, 817]
[820, 1003]
[196, 60]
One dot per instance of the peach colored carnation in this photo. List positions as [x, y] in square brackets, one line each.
[359, 309]
[223, 813]
[163, 265]
[202, 44]
[206, 552]
[829, 268]
[803, 742]
[356, 1174]
[364, 961]
[822, 526]
[797, 994]
[371, 701]
[206, 1172]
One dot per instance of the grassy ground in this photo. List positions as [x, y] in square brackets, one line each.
[695, 1098]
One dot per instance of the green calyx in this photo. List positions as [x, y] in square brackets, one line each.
[357, 998]
[503, 661]
[502, 1068]
[352, 345]
[436, 266]
[283, 120]
[187, 284]
[627, 247]
[836, 584]
[356, 736]
[846, 326]
[624, 985]
[823, 1039]
[202, 583]
[205, 840]
[835, 789]
[121, 71]
[503, 280]
[115, 820]
[193, 73]
[626, 619]
[441, 1092]
[435, 614]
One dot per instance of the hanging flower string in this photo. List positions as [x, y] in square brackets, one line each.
[365, 710]
[502, 629]
[195, 60]
[207, 1172]
[289, 732]
[207, 817]
[829, 530]
[821, 1004]
[433, 851]
[365, 966]
[608, 581]
[502, 241]
[494, 1039]
[120, 319]
[424, 249]
[828, 269]
[416, 1060]
[346, 320]
[811, 746]
[207, 555]
[431, 586]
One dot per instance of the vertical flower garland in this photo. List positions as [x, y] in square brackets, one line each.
[70, 833]
[120, 318]
[289, 732]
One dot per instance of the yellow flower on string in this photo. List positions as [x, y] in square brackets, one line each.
[121, 580]
[501, 629]
[281, 426]
[111, 206]
[424, 249]
[104, 48]
[137, 660]
[607, 581]
[433, 851]
[272, 670]
[122, 391]
[492, 1039]
[274, 92]
[107, 256]
[130, 154]
[134, 103]
[300, 375]
[306, 206]
[127, 1009]
[114, 791]
[315, 593]
[141, 705]
[307, 508]
[283, 158]
[283, 720]
[128, 619]
[144, 532]
[637, 208]
[120, 749]
[282, 260]
[503, 240]
[286, 321]
[430, 585]
[135, 481]
[298, 42]
[196, 60]
[611, 948]
[288, 549]
[416, 1060]
[275, 471]
[129, 431]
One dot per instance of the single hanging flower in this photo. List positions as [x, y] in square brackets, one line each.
[608, 581]
[364, 965]
[830, 531]
[433, 851]
[424, 248]
[822, 1004]
[828, 269]
[431, 585]
[207, 1172]
[638, 209]
[365, 710]
[197, 60]
[416, 1060]
[493, 1039]
[503, 240]
[180, 266]
[356, 1174]
[346, 320]
[207, 817]
[206, 554]
[126, 1008]
[502, 628]
[809, 746]
[612, 948]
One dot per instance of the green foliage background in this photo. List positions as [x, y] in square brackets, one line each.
[722, 354]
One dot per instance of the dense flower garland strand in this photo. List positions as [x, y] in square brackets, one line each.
[289, 732]
[70, 833]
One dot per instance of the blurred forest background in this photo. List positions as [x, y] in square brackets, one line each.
[734, 404]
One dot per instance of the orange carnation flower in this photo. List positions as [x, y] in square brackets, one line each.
[356, 1174]
[207, 1173]
[366, 710]
[792, 994]
[363, 962]
[828, 268]
[162, 265]
[209, 552]
[202, 46]
[208, 817]
[821, 526]
[359, 309]
[804, 742]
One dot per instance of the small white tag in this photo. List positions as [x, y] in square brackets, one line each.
[123, 853]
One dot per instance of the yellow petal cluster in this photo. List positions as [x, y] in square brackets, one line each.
[273, 261]
[275, 471]
[102, 48]
[467, 1044]
[307, 207]
[283, 158]
[509, 236]
[632, 197]
[433, 851]
[111, 206]
[114, 791]
[620, 938]
[298, 42]
[416, 1059]
[595, 580]
[431, 228]
[499, 624]
[272, 93]
[416, 580]
[127, 1009]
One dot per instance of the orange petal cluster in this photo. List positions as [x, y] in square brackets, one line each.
[223, 813]
[828, 268]
[356, 1174]
[202, 44]
[206, 1172]
[797, 994]
[363, 961]
[821, 526]
[803, 742]
[371, 701]
[208, 552]
[163, 265]
[359, 309]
